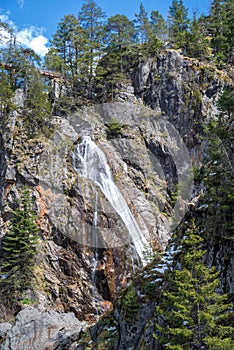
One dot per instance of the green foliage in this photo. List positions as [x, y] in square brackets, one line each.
[6, 95]
[158, 25]
[20, 69]
[27, 301]
[192, 314]
[69, 46]
[19, 249]
[218, 176]
[130, 303]
[114, 128]
[91, 18]
[197, 42]
[178, 24]
[120, 32]
[143, 26]
[220, 26]
[226, 101]
[37, 105]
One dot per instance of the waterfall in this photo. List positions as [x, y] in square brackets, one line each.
[95, 255]
[89, 161]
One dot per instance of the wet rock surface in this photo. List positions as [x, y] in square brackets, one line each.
[74, 276]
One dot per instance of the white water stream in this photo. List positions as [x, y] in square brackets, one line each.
[89, 161]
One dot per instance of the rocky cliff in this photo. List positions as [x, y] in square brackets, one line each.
[87, 252]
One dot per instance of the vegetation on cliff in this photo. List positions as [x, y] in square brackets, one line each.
[191, 314]
[90, 57]
[19, 248]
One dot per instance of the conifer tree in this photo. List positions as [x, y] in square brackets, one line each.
[192, 314]
[6, 94]
[19, 248]
[142, 25]
[218, 176]
[91, 18]
[54, 61]
[226, 102]
[197, 42]
[68, 51]
[158, 25]
[121, 32]
[221, 29]
[37, 105]
[178, 24]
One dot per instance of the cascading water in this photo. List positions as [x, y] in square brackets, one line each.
[95, 256]
[89, 161]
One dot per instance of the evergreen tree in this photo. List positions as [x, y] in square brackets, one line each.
[68, 51]
[192, 315]
[142, 25]
[19, 249]
[37, 105]
[197, 42]
[25, 62]
[218, 176]
[54, 61]
[158, 25]
[226, 102]
[6, 94]
[91, 18]
[221, 29]
[120, 31]
[178, 24]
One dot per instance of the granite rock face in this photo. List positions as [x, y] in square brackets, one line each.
[2, 167]
[34, 329]
[160, 115]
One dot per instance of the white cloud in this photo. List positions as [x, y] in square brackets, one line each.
[5, 19]
[31, 37]
[4, 34]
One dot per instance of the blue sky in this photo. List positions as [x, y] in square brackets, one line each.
[36, 20]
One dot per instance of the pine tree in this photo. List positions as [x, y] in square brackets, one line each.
[158, 25]
[121, 32]
[192, 314]
[37, 105]
[178, 24]
[197, 42]
[19, 249]
[142, 25]
[91, 18]
[54, 61]
[218, 176]
[68, 51]
[221, 29]
[226, 102]
[6, 94]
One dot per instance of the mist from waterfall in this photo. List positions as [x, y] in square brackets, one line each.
[90, 162]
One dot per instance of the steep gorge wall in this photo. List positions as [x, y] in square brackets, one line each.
[2, 167]
[181, 95]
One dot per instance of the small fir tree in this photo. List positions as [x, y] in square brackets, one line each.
[192, 314]
[19, 249]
